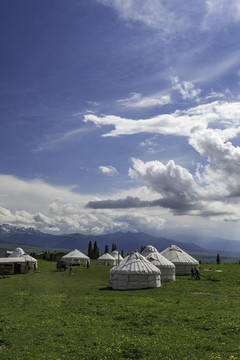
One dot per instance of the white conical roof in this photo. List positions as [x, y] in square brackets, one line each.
[177, 255]
[159, 260]
[75, 254]
[135, 263]
[18, 252]
[29, 258]
[148, 250]
[116, 255]
[106, 256]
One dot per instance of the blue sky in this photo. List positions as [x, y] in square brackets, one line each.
[120, 115]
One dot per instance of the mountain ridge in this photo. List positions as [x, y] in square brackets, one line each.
[126, 241]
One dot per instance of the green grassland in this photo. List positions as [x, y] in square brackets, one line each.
[54, 315]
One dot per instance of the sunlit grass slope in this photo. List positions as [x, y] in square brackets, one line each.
[53, 315]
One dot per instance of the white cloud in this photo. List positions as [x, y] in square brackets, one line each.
[169, 17]
[186, 88]
[179, 123]
[174, 18]
[56, 209]
[220, 12]
[108, 170]
[56, 141]
[136, 100]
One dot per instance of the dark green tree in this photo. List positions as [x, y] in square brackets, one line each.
[114, 247]
[90, 249]
[95, 250]
[106, 249]
[218, 259]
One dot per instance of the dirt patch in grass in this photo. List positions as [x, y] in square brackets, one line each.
[3, 346]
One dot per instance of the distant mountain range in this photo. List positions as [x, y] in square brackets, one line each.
[125, 241]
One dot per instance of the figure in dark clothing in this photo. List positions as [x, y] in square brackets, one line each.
[192, 272]
[197, 276]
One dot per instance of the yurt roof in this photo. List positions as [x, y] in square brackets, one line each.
[106, 256]
[17, 253]
[148, 249]
[75, 254]
[159, 260]
[29, 258]
[9, 260]
[135, 263]
[116, 255]
[177, 255]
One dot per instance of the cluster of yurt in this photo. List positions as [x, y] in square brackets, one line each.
[134, 272]
[150, 268]
[106, 259]
[76, 257]
[183, 262]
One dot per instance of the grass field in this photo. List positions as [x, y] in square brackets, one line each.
[53, 315]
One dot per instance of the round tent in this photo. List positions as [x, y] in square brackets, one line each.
[117, 256]
[149, 249]
[19, 253]
[76, 257]
[106, 259]
[134, 272]
[167, 267]
[31, 261]
[183, 262]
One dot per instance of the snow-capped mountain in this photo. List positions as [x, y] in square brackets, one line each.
[6, 228]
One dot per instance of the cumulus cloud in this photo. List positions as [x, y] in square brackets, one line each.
[56, 209]
[175, 184]
[108, 170]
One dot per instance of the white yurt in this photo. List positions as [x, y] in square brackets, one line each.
[19, 253]
[106, 259]
[117, 256]
[183, 262]
[76, 257]
[149, 249]
[167, 267]
[134, 272]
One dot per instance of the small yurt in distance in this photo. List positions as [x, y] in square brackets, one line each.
[117, 256]
[134, 272]
[106, 259]
[167, 267]
[76, 257]
[148, 250]
[183, 262]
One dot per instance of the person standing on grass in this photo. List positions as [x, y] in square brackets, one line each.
[192, 272]
[197, 277]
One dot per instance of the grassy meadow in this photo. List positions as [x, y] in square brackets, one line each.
[54, 315]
